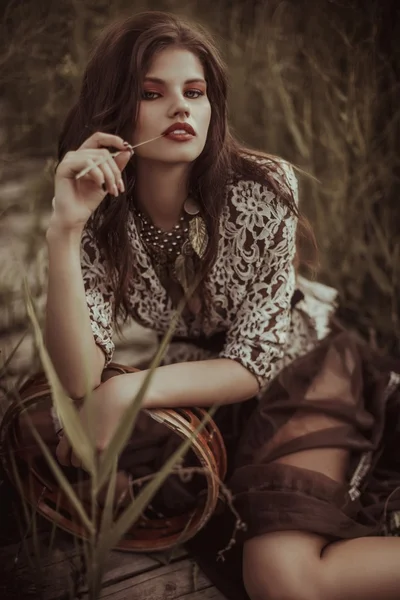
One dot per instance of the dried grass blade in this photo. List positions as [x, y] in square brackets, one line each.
[126, 425]
[65, 407]
[63, 481]
[20, 487]
[99, 555]
[54, 526]
[107, 515]
[87, 170]
[3, 368]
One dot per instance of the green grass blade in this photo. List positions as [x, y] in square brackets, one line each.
[64, 405]
[133, 512]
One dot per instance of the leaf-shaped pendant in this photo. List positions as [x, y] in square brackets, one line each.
[185, 274]
[190, 272]
[198, 236]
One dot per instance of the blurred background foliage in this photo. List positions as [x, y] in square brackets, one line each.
[314, 82]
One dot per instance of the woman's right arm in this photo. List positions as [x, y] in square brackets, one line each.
[77, 358]
[69, 338]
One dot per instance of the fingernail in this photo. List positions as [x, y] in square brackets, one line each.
[121, 185]
[115, 190]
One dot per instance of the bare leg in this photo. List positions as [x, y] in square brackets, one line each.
[295, 565]
[292, 565]
[363, 569]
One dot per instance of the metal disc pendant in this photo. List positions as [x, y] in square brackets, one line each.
[191, 207]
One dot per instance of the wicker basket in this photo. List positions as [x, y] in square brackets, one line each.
[41, 490]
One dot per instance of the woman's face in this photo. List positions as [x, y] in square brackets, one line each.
[174, 98]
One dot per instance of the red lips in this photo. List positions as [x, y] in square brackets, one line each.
[178, 126]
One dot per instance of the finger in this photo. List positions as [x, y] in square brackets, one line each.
[109, 178]
[109, 165]
[101, 140]
[101, 157]
[95, 174]
[117, 174]
[81, 164]
[112, 167]
[63, 451]
[122, 159]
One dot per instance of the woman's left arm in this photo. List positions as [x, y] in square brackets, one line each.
[198, 383]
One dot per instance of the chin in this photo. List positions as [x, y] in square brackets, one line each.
[184, 155]
[181, 158]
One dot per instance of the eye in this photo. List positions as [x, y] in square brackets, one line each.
[147, 95]
[194, 93]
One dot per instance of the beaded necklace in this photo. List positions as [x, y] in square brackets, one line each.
[166, 245]
[176, 254]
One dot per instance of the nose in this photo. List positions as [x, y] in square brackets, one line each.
[179, 107]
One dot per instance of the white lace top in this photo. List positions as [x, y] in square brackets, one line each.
[251, 286]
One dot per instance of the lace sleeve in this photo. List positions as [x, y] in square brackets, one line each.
[259, 331]
[99, 294]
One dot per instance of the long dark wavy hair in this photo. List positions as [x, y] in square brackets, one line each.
[109, 102]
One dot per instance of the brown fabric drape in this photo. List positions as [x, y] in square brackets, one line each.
[340, 395]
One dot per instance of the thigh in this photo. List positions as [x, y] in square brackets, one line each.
[283, 564]
[332, 462]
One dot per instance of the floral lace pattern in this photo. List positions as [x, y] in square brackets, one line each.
[251, 285]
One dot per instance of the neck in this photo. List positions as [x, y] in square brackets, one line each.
[161, 190]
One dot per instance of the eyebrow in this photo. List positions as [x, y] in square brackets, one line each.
[161, 81]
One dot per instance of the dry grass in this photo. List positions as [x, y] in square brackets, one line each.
[319, 91]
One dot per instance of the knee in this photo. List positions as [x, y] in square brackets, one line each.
[282, 586]
[281, 574]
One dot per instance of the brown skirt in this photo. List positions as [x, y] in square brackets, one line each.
[340, 395]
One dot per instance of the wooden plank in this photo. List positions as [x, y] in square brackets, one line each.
[168, 556]
[122, 565]
[64, 547]
[165, 583]
[16, 556]
[119, 566]
[57, 568]
[210, 593]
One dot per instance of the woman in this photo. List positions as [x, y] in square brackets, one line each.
[137, 232]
